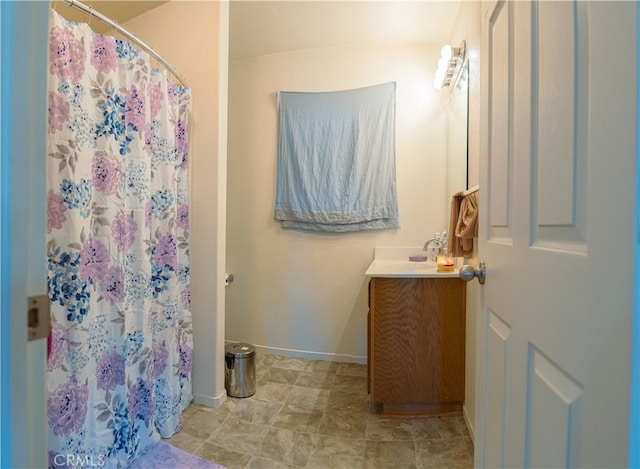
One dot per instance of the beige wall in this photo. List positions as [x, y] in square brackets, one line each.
[304, 294]
[193, 37]
[467, 27]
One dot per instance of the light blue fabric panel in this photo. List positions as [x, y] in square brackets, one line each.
[336, 160]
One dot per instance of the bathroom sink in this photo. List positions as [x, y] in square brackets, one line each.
[379, 268]
[394, 262]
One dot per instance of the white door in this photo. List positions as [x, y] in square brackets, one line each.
[23, 118]
[557, 198]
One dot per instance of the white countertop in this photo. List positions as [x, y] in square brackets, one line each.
[394, 262]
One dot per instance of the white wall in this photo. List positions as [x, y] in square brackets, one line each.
[305, 294]
[467, 27]
[193, 37]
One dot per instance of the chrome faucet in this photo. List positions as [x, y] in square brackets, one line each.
[441, 239]
[432, 240]
[431, 256]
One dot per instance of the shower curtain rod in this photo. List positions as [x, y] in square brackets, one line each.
[91, 12]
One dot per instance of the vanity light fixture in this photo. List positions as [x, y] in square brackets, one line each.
[449, 65]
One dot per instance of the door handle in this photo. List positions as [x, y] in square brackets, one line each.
[468, 273]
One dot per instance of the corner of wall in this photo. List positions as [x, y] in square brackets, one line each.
[467, 27]
[201, 27]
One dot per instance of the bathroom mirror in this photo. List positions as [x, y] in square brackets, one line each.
[457, 116]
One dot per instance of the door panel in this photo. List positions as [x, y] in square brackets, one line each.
[499, 114]
[559, 127]
[497, 345]
[556, 124]
[553, 414]
[557, 207]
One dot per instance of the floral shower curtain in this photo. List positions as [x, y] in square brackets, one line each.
[120, 354]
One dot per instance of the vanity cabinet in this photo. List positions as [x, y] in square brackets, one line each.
[416, 345]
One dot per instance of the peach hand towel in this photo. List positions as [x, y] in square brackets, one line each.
[454, 246]
[467, 226]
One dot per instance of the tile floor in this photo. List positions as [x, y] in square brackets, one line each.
[316, 414]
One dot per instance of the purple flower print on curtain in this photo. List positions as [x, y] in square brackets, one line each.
[123, 230]
[183, 217]
[186, 360]
[110, 371]
[165, 252]
[156, 97]
[104, 56]
[134, 113]
[160, 356]
[113, 285]
[59, 346]
[186, 297]
[106, 172]
[66, 54]
[94, 259]
[119, 367]
[67, 407]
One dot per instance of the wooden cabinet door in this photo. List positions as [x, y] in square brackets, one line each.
[417, 340]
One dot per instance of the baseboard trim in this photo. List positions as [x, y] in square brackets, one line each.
[210, 401]
[420, 409]
[469, 423]
[293, 353]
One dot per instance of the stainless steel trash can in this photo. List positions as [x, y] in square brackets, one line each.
[240, 370]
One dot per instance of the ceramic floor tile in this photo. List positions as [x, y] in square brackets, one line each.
[384, 429]
[352, 369]
[321, 366]
[222, 456]
[261, 374]
[194, 408]
[253, 410]
[451, 453]
[201, 423]
[261, 463]
[348, 401]
[264, 360]
[447, 427]
[297, 364]
[337, 453]
[280, 375]
[387, 454]
[424, 429]
[317, 414]
[308, 397]
[462, 426]
[350, 384]
[239, 436]
[288, 447]
[272, 392]
[321, 380]
[299, 419]
[469, 442]
[343, 424]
